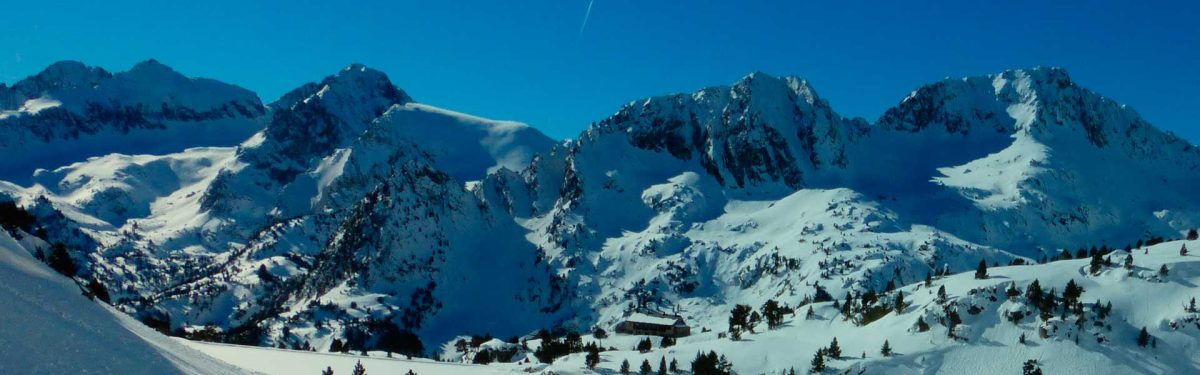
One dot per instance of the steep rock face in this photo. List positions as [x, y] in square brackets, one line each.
[70, 112]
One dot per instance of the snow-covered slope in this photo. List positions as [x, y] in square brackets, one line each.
[51, 328]
[70, 111]
[987, 339]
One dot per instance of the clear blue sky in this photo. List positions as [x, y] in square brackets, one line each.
[528, 60]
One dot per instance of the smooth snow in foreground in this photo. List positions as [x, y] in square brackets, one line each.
[287, 362]
[56, 330]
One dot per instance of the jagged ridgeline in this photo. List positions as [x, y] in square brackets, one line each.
[346, 215]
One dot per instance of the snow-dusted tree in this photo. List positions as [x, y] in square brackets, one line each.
[1097, 264]
[817, 365]
[899, 303]
[1143, 338]
[625, 367]
[593, 356]
[645, 345]
[1163, 271]
[739, 320]
[886, 350]
[1183, 251]
[60, 260]
[359, 369]
[646, 369]
[97, 290]
[666, 342]
[711, 364]
[981, 271]
[328, 371]
[1192, 235]
[1072, 292]
[773, 313]
[941, 294]
[834, 350]
[662, 366]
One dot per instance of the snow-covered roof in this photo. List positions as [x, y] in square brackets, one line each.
[651, 319]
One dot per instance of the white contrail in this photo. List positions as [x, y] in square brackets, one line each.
[586, 15]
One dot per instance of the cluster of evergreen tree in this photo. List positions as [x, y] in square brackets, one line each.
[645, 345]
[553, 347]
[743, 318]
[647, 369]
[711, 364]
[13, 217]
[866, 307]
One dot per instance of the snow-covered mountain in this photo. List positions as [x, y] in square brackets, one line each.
[352, 216]
[71, 111]
[759, 190]
[331, 204]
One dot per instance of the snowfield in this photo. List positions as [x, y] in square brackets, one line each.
[286, 362]
[49, 327]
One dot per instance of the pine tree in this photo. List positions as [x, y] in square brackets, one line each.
[60, 260]
[1183, 250]
[646, 369]
[1072, 292]
[886, 350]
[1022, 338]
[1163, 271]
[941, 295]
[921, 325]
[1192, 235]
[592, 359]
[739, 320]
[625, 367]
[1143, 338]
[773, 313]
[674, 365]
[96, 289]
[662, 366]
[1097, 264]
[899, 304]
[359, 369]
[834, 350]
[328, 371]
[1191, 306]
[1129, 262]
[818, 363]
[981, 271]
